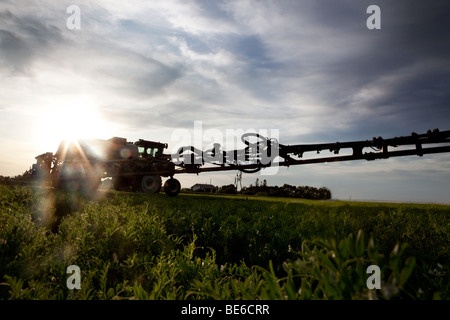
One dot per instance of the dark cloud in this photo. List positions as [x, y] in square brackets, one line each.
[15, 55]
[141, 79]
[172, 116]
[251, 49]
[23, 39]
[391, 80]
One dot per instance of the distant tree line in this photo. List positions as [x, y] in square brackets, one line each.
[262, 189]
[16, 180]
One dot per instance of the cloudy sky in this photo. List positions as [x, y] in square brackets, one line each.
[310, 69]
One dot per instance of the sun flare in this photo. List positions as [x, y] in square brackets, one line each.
[71, 120]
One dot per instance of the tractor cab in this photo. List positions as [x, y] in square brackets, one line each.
[147, 149]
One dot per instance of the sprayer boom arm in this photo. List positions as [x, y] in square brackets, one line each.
[268, 152]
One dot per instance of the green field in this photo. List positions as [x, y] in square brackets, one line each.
[139, 246]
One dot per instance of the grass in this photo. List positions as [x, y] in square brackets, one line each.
[139, 246]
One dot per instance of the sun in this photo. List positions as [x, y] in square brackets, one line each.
[71, 120]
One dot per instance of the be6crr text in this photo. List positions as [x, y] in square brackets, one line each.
[246, 309]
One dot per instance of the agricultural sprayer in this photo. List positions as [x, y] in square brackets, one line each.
[140, 165]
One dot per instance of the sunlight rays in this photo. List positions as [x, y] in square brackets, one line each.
[70, 120]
